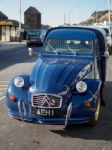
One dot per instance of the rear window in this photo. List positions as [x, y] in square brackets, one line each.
[33, 33]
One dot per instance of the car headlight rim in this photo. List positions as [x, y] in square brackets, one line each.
[19, 82]
[81, 86]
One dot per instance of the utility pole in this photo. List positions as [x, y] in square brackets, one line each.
[69, 17]
[77, 14]
[64, 19]
[96, 17]
[109, 19]
[19, 20]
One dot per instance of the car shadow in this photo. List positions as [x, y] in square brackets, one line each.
[102, 131]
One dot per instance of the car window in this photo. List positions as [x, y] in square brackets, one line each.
[33, 33]
[69, 46]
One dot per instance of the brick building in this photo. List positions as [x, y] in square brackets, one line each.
[32, 18]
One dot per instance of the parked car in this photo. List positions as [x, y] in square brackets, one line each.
[65, 86]
[35, 37]
[109, 39]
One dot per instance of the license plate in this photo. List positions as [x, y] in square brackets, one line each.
[34, 40]
[42, 112]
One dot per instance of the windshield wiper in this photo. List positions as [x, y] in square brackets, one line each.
[71, 50]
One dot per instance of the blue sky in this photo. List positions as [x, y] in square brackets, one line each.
[53, 11]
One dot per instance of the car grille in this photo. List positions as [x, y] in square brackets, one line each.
[46, 100]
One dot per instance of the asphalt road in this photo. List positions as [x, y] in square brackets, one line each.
[17, 135]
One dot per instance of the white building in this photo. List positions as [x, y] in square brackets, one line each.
[9, 29]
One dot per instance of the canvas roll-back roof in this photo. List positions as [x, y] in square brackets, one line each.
[71, 33]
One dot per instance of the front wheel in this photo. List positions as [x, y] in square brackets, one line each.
[94, 119]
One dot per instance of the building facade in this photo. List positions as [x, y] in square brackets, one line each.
[9, 29]
[32, 19]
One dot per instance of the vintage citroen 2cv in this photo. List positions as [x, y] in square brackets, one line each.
[65, 86]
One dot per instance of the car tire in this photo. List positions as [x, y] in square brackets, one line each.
[95, 118]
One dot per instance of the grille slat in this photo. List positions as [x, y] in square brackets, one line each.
[46, 100]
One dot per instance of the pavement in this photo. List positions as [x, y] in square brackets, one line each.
[11, 45]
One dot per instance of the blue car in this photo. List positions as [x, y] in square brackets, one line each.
[67, 80]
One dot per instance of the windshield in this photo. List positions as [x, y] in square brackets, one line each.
[69, 46]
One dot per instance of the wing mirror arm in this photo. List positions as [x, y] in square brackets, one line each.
[31, 52]
[106, 54]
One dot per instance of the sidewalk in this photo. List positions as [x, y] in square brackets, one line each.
[11, 45]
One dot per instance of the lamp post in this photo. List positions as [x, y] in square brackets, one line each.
[19, 20]
[109, 4]
[76, 14]
[109, 21]
[96, 17]
[69, 17]
[64, 19]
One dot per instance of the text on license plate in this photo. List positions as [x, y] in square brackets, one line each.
[44, 112]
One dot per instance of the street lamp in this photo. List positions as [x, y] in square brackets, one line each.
[19, 20]
[64, 19]
[96, 16]
[69, 17]
[109, 4]
[109, 20]
[76, 14]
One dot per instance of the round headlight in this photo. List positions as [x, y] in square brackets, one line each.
[81, 87]
[19, 82]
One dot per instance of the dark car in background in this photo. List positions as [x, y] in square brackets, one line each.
[108, 37]
[35, 37]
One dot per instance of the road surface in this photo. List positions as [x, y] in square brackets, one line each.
[17, 135]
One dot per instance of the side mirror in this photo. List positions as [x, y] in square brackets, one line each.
[30, 51]
[106, 54]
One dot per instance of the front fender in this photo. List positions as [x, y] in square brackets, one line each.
[19, 93]
[92, 94]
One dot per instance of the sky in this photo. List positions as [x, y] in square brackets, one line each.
[54, 12]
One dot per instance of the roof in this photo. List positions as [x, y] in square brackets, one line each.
[71, 33]
[32, 10]
[16, 23]
[6, 23]
[3, 16]
[79, 33]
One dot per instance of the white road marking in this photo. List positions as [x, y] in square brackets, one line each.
[2, 98]
[3, 85]
[1, 93]
[2, 89]
[4, 81]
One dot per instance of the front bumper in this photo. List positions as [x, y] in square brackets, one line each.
[38, 41]
[23, 112]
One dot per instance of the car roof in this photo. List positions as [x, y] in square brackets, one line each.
[71, 33]
[80, 33]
